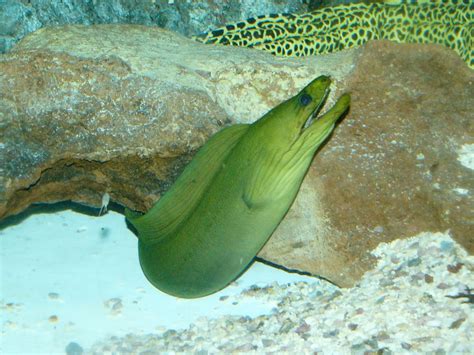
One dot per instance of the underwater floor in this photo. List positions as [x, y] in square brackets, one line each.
[69, 280]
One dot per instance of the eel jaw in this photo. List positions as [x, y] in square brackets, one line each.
[321, 127]
[314, 115]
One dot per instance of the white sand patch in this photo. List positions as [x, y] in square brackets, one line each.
[67, 277]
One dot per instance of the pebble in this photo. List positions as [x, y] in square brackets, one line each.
[74, 348]
[114, 305]
[395, 308]
[53, 296]
[428, 278]
[352, 326]
[457, 323]
[454, 268]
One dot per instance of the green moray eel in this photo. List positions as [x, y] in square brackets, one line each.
[330, 29]
[208, 227]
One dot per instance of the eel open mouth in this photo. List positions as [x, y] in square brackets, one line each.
[314, 115]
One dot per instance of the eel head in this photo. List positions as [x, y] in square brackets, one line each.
[293, 125]
[283, 142]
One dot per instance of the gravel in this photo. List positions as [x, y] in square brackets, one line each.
[416, 299]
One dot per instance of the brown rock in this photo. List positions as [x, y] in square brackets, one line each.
[391, 169]
[121, 109]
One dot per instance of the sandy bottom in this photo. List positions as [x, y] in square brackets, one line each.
[69, 280]
[416, 300]
[71, 283]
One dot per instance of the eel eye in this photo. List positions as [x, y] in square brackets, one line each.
[305, 99]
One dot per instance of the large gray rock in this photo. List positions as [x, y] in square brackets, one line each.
[121, 109]
[18, 18]
[16, 21]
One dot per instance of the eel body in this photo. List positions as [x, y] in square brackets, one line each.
[330, 29]
[205, 231]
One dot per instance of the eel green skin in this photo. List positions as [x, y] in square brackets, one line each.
[330, 29]
[205, 231]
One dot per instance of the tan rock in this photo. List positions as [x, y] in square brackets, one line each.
[120, 109]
